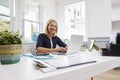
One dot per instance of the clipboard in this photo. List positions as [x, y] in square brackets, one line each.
[93, 45]
[92, 42]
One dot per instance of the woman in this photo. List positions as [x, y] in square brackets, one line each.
[46, 42]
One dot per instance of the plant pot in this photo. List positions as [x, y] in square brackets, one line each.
[10, 54]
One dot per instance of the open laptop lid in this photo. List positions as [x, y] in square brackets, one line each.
[75, 43]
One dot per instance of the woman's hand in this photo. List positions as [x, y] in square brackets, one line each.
[61, 49]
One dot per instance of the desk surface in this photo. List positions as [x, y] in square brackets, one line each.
[25, 70]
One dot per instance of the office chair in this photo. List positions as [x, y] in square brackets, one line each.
[113, 51]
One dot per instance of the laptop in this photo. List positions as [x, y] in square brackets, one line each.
[73, 45]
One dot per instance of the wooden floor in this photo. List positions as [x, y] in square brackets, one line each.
[109, 75]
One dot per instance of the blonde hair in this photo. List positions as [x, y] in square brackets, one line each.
[48, 23]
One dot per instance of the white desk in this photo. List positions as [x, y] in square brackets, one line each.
[25, 70]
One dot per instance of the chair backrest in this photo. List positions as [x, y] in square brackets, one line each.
[115, 49]
[118, 38]
[29, 48]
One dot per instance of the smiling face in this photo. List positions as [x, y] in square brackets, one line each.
[52, 28]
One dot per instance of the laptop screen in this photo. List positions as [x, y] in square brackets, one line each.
[75, 43]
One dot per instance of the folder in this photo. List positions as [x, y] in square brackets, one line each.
[68, 61]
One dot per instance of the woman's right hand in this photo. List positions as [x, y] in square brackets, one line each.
[61, 49]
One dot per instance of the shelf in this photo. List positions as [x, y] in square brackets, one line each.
[114, 20]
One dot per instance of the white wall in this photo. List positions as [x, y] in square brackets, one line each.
[115, 17]
[61, 15]
[47, 11]
[98, 14]
[115, 26]
[60, 19]
[115, 11]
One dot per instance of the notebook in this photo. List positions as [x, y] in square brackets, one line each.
[73, 46]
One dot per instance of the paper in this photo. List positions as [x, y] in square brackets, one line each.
[68, 61]
[48, 69]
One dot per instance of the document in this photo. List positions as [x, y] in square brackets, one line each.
[68, 61]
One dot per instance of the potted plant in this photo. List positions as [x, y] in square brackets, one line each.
[10, 47]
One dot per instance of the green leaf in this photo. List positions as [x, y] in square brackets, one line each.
[8, 38]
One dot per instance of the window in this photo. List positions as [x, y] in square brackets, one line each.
[7, 11]
[4, 15]
[4, 22]
[75, 19]
[31, 25]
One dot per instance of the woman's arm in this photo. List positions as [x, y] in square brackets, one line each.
[41, 49]
[49, 50]
[61, 43]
